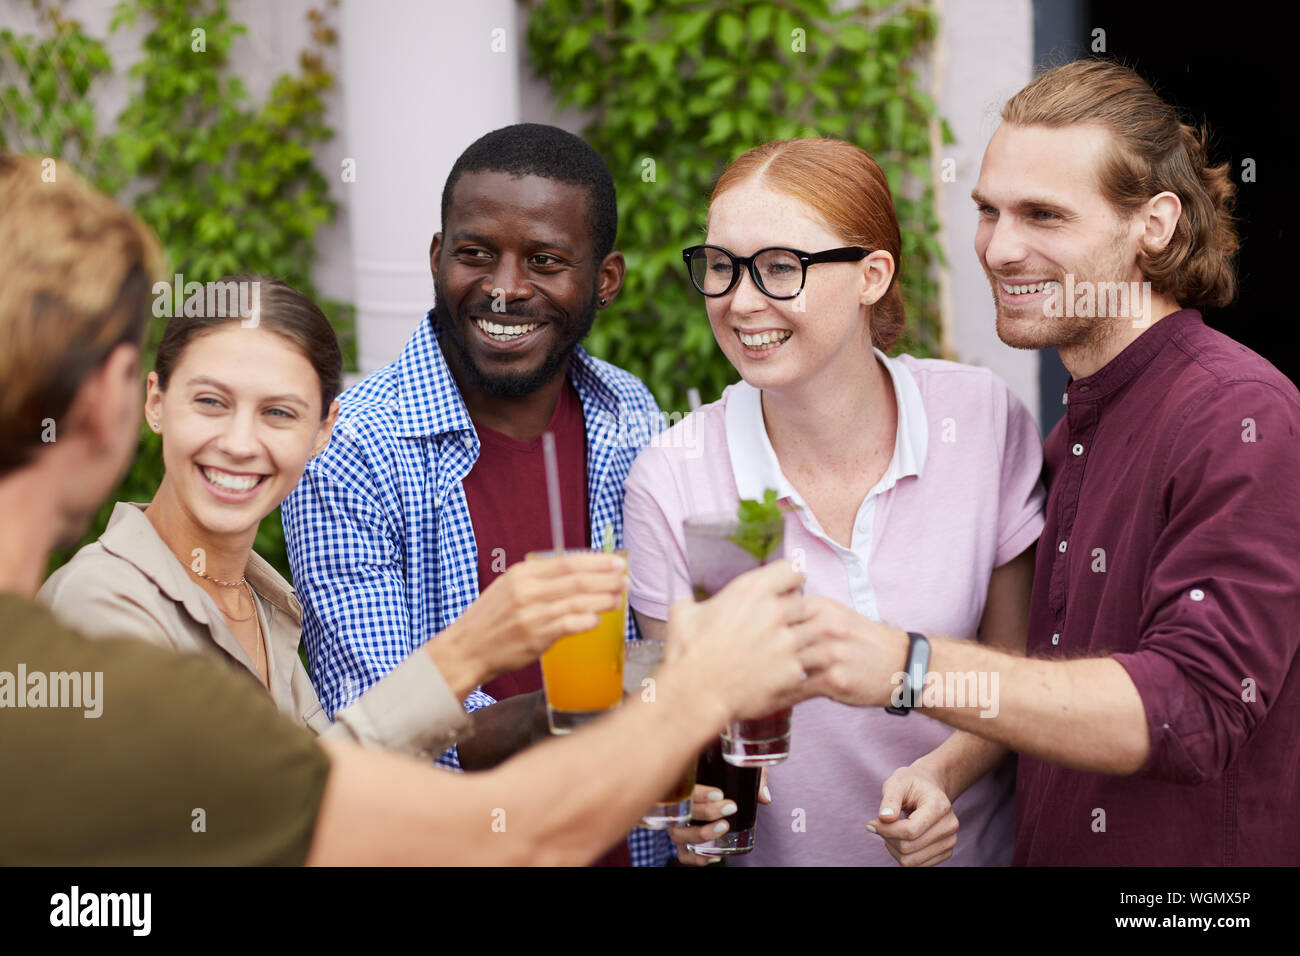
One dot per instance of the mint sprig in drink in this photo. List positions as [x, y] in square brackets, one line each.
[719, 549]
[761, 529]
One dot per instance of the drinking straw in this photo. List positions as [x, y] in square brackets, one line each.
[553, 491]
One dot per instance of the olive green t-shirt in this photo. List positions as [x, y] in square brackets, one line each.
[123, 753]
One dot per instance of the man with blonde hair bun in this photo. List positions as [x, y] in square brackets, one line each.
[1157, 712]
[188, 762]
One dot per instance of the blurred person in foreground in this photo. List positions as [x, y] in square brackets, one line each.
[168, 733]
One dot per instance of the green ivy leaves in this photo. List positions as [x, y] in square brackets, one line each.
[229, 185]
[690, 84]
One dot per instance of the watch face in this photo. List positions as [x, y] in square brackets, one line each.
[918, 661]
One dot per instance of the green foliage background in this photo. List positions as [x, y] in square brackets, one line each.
[675, 89]
[229, 185]
[691, 84]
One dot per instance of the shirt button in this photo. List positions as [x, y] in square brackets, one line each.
[1056, 638]
[1061, 547]
[1197, 594]
[1077, 449]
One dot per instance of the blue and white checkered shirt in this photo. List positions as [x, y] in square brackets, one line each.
[379, 534]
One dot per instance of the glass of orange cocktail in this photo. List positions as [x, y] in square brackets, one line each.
[583, 673]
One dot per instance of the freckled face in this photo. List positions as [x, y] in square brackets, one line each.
[803, 336]
[240, 419]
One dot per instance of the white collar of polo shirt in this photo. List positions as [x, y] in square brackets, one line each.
[754, 463]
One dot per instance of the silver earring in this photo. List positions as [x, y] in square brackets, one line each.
[602, 301]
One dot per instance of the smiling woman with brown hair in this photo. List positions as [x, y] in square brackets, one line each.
[242, 402]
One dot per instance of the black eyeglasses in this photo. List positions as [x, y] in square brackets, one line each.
[778, 272]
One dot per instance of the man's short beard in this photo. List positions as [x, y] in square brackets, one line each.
[511, 385]
[1067, 331]
[1047, 332]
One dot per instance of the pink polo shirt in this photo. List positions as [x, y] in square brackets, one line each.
[961, 496]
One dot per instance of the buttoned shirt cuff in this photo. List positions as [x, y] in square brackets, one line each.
[1186, 747]
[411, 709]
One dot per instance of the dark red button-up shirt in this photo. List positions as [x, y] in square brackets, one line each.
[1173, 545]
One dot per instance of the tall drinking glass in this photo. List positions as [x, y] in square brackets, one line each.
[715, 555]
[739, 784]
[583, 673]
[674, 808]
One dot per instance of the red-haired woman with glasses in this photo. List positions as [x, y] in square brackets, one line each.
[915, 484]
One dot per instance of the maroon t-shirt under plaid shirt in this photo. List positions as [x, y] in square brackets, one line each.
[1173, 544]
[506, 494]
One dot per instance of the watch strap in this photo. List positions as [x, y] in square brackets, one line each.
[918, 663]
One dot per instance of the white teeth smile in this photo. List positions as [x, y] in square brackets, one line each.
[504, 333]
[229, 482]
[764, 340]
[1024, 289]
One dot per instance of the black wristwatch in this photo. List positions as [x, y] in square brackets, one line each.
[918, 662]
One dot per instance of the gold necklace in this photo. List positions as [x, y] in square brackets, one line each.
[248, 617]
[225, 584]
[241, 583]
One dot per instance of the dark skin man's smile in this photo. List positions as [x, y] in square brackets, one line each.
[516, 252]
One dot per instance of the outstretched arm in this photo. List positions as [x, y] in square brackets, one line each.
[1084, 714]
[737, 654]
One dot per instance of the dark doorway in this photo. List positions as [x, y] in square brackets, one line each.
[1220, 70]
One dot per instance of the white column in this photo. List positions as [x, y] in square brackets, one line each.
[421, 81]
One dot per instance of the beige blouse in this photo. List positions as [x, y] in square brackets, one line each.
[129, 583]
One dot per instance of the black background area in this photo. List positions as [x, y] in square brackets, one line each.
[1224, 67]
